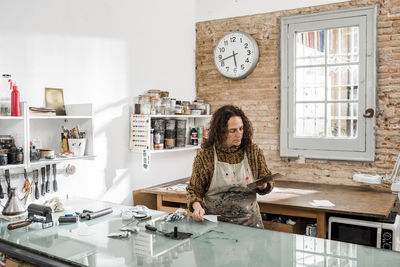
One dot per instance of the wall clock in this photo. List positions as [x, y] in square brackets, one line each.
[236, 55]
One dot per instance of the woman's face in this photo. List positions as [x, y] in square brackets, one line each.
[235, 131]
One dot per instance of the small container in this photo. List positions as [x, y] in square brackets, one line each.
[179, 108]
[12, 155]
[169, 143]
[186, 107]
[195, 112]
[20, 155]
[3, 159]
[193, 137]
[34, 154]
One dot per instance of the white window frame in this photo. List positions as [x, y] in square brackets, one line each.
[361, 148]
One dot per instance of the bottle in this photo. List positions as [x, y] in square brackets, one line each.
[193, 137]
[15, 109]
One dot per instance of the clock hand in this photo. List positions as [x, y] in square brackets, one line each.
[228, 57]
[234, 58]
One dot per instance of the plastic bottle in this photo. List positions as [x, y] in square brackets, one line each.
[15, 103]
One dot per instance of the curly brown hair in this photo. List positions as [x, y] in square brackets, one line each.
[218, 130]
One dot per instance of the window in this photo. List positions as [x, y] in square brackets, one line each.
[328, 83]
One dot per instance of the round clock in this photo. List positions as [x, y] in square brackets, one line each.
[236, 55]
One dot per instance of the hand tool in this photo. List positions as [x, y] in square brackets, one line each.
[67, 219]
[7, 175]
[43, 170]
[35, 210]
[173, 235]
[27, 188]
[1, 191]
[120, 235]
[263, 180]
[55, 187]
[36, 181]
[87, 214]
[48, 179]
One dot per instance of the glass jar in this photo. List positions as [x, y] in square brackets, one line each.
[172, 104]
[145, 107]
[186, 107]
[179, 108]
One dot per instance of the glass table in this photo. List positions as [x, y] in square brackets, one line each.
[212, 244]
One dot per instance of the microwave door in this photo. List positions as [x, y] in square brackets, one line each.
[357, 234]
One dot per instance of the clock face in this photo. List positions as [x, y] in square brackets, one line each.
[236, 55]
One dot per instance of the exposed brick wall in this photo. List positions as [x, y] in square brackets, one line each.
[259, 94]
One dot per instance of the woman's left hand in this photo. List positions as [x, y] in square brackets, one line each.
[262, 187]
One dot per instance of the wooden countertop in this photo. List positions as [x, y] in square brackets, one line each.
[347, 199]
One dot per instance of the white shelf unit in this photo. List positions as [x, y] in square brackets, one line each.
[47, 129]
[16, 127]
[142, 140]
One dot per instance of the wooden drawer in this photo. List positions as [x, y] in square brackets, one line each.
[298, 228]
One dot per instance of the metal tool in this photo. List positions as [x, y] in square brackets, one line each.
[262, 181]
[43, 170]
[35, 210]
[36, 181]
[1, 191]
[27, 188]
[55, 186]
[7, 175]
[48, 179]
[120, 234]
[173, 235]
[87, 214]
[67, 219]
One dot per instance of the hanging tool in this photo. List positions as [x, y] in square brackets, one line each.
[7, 175]
[36, 181]
[27, 188]
[43, 170]
[173, 235]
[48, 179]
[1, 191]
[55, 187]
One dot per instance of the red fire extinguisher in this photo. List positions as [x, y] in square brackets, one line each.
[15, 103]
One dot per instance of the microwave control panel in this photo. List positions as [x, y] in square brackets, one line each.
[387, 239]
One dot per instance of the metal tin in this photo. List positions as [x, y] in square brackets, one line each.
[3, 159]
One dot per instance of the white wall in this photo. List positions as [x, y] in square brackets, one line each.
[104, 52]
[212, 9]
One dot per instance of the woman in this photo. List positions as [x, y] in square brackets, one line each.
[227, 162]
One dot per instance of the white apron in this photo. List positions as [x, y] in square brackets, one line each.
[229, 196]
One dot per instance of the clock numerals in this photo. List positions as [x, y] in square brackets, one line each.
[236, 55]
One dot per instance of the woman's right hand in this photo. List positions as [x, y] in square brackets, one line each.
[198, 212]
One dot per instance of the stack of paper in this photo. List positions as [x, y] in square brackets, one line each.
[322, 203]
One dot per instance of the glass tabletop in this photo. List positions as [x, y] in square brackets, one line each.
[212, 244]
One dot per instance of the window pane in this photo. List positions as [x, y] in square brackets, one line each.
[310, 119]
[343, 82]
[310, 84]
[343, 45]
[310, 48]
[342, 120]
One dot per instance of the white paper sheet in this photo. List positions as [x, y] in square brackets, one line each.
[322, 203]
[211, 218]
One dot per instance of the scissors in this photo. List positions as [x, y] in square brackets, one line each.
[27, 185]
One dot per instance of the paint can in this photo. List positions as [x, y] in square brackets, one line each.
[311, 230]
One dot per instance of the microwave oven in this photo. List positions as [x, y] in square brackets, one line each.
[384, 235]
